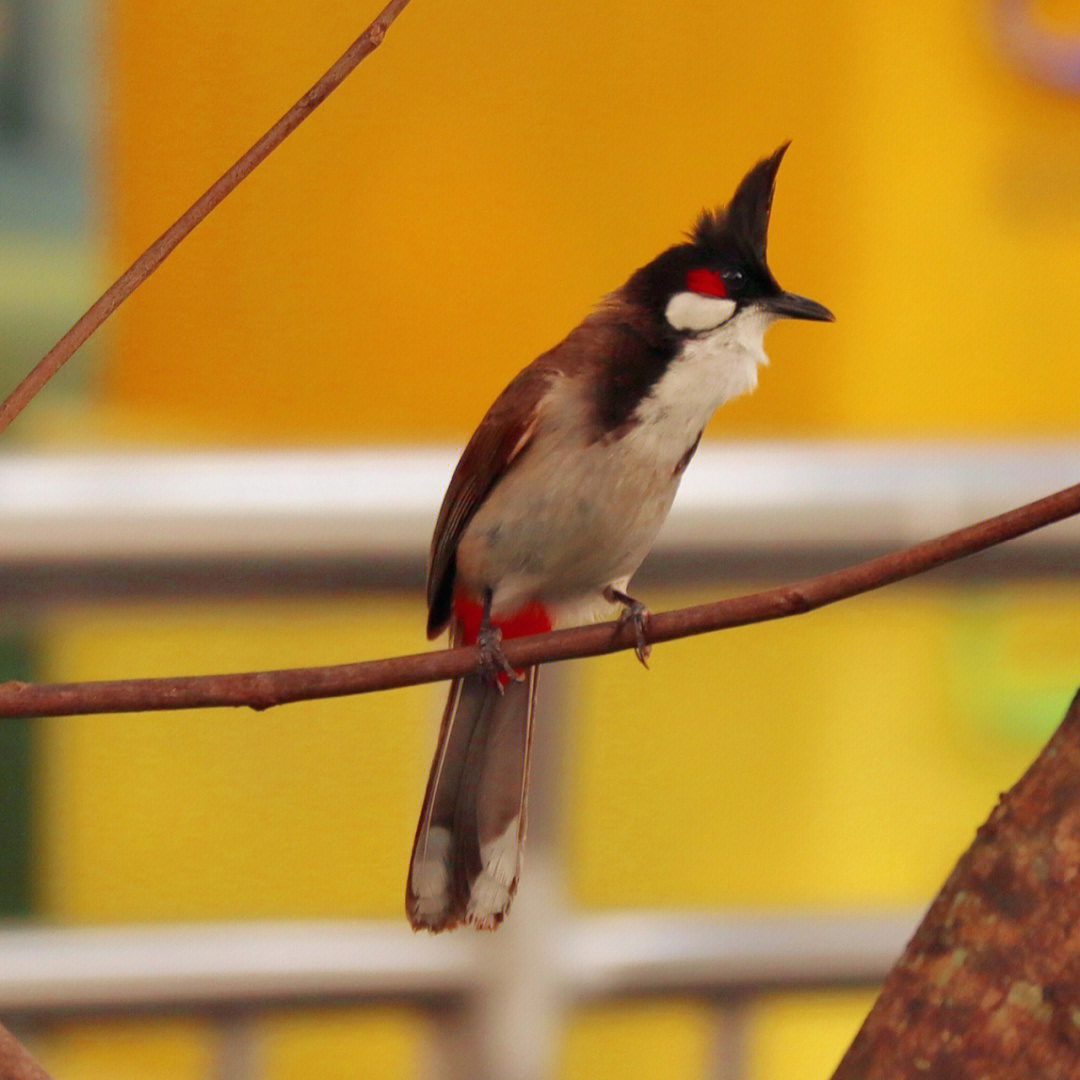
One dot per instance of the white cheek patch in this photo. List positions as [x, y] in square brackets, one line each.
[697, 313]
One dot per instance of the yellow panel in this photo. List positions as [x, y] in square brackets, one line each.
[145, 1049]
[305, 809]
[803, 1037]
[642, 1040]
[373, 1044]
[380, 1043]
[842, 757]
[884, 727]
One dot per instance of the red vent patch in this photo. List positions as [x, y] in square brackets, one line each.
[531, 619]
[528, 620]
[706, 282]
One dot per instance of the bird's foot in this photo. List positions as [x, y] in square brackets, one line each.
[495, 669]
[635, 613]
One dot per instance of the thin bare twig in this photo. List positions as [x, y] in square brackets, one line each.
[263, 689]
[160, 249]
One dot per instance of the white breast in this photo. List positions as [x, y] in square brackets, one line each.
[709, 370]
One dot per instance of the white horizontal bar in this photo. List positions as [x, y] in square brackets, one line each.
[124, 967]
[382, 503]
[131, 505]
[649, 952]
[203, 966]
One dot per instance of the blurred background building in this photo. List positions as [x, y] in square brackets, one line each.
[443, 218]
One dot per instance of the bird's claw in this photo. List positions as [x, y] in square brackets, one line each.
[494, 667]
[635, 613]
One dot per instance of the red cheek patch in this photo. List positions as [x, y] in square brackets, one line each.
[706, 282]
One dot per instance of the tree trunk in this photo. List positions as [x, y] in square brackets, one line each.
[15, 1062]
[989, 986]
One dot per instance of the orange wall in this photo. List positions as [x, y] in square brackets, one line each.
[492, 170]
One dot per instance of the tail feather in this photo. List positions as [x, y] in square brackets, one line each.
[430, 896]
[467, 853]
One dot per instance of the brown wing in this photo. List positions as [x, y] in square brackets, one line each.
[502, 435]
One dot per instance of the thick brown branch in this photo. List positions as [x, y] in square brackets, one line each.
[263, 689]
[159, 250]
[990, 984]
[15, 1062]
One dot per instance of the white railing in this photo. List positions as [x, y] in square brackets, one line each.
[593, 957]
[766, 496]
[501, 995]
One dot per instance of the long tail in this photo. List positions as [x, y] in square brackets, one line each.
[466, 857]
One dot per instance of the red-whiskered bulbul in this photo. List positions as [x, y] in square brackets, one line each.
[555, 502]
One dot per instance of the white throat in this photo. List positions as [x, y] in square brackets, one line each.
[708, 370]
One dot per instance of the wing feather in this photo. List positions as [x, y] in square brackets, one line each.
[497, 443]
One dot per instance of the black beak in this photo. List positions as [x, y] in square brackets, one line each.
[790, 306]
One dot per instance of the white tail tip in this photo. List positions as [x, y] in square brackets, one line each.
[493, 888]
[431, 878]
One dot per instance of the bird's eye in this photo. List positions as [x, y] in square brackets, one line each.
[734, 279]
[706, 282]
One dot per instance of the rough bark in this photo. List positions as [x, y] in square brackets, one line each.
[15, 1062]
[989, 986]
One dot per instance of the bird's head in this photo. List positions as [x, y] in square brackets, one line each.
[720, 274]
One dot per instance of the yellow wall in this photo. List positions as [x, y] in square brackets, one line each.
[448, 214]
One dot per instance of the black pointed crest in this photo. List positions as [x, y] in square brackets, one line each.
[744, 222]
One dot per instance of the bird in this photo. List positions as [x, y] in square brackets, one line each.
[556, 501]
